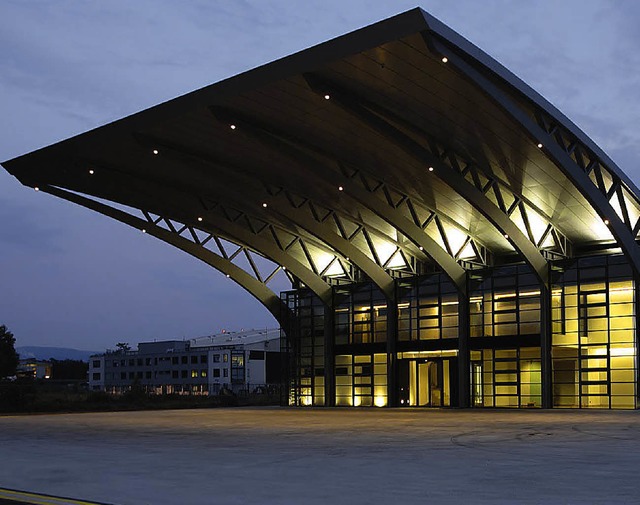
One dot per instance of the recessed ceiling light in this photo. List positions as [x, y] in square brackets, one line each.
[155, 151]
[606, 221]
[228, 276]
[199, 218]
[91, 172]
[340, 188]
[506, 236]
[37, 188]
[144, 231]
[233, 127]
[264, 205]
[539, 146]
[421, 248]
[326, 97]
[445, 59]
[430, 169]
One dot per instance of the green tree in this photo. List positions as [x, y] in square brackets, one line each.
[8, 355]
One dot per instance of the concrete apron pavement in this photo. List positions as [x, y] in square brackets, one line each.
[318, 456]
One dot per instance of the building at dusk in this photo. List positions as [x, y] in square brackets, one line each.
[236, 361]
[450, 238]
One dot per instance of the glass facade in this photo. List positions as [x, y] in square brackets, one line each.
[418, 349]
[594, 335]
[304, 342]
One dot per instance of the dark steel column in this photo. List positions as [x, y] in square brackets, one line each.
[545, 346]
[329, 358]
[392, 359]
[464, 366]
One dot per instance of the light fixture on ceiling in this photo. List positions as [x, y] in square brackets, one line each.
[445, 59]
[155, 151]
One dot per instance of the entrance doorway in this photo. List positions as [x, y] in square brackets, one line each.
[427, 382]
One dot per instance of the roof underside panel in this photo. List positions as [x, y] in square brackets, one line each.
[302, 147]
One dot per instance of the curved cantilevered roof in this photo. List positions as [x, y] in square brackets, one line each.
[396, 149]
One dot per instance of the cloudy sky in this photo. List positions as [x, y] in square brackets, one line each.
[73, 278]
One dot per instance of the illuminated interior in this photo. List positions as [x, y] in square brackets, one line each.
[593, 349]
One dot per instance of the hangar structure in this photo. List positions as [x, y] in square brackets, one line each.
[450, 237]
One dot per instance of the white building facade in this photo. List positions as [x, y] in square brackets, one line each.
[227, 362]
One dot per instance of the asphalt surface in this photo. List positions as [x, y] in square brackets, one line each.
[337, 456]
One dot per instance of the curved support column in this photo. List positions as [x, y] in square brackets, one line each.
[561, 158]
[328, 179]
[286, 213]
[356, 107]
[256, 288]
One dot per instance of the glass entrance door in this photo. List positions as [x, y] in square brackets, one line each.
[425, 383]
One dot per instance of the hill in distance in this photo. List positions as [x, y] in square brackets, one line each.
[59, 353]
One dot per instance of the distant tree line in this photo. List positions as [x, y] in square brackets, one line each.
[69, 369]
[8, 356]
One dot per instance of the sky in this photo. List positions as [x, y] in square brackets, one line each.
[73, 278]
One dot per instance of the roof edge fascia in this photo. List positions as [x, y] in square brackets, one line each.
[450, 37]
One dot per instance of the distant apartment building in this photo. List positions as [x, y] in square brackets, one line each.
[244, 360]
[34, 369]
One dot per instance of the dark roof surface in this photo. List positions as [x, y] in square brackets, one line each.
[381, 153]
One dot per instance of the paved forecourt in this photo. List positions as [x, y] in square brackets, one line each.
[282, 456]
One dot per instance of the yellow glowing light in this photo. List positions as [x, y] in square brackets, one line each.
[356, 401]
[455, 237]
[380, 401]
[427, 354]
[537, 224]
[624, 351]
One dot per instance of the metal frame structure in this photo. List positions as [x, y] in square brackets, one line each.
[388, 153]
